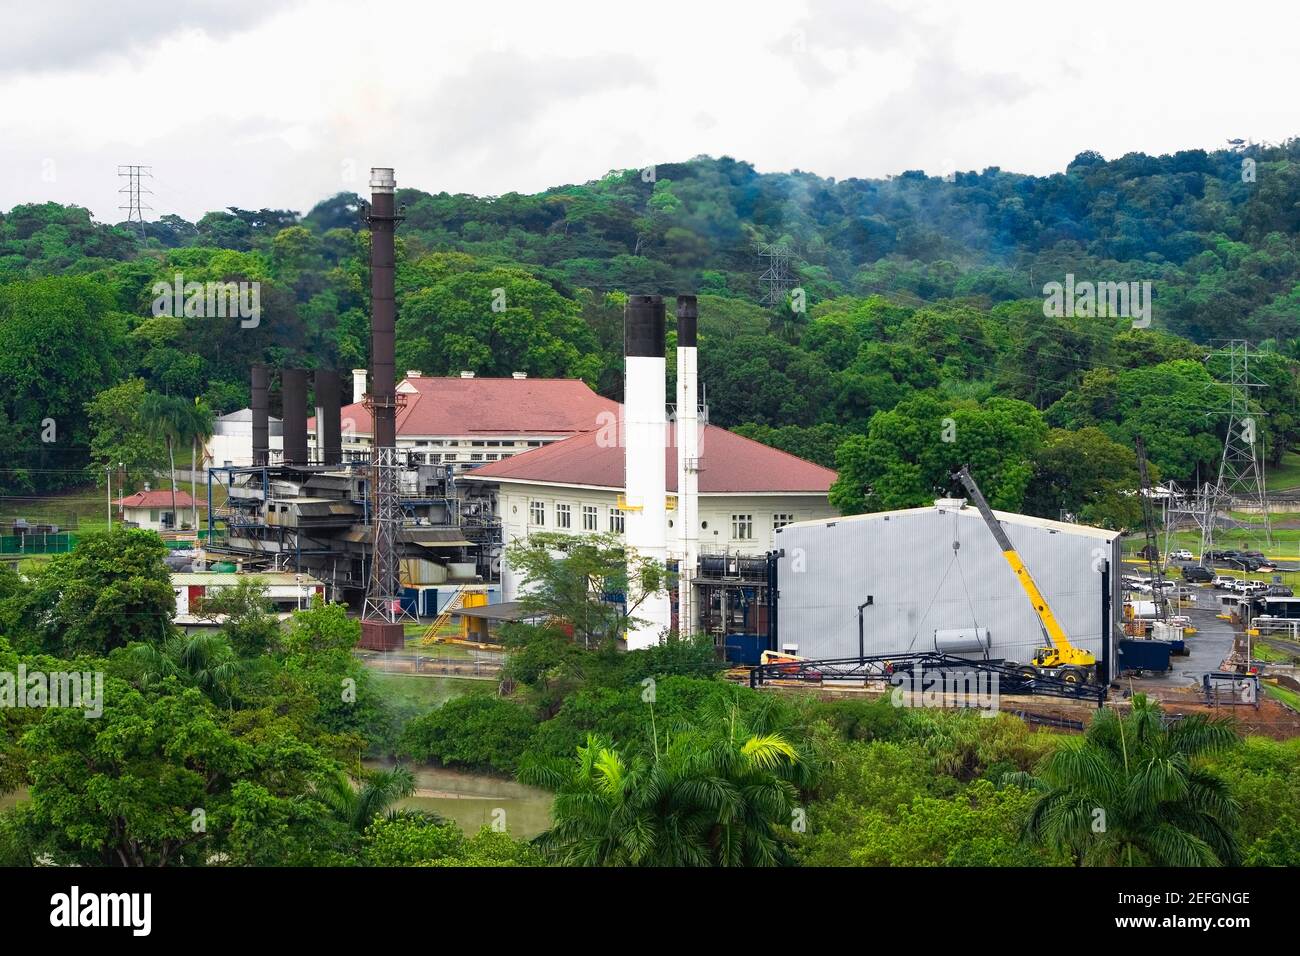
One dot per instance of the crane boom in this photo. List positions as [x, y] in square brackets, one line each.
[1066, 653]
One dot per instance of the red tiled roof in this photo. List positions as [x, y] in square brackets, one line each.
[490, 406]
[729, 464]
[156, 499]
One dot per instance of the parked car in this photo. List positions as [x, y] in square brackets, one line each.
[1224, 581]
[1279, 590]
[1195, 574]
[1182, 554]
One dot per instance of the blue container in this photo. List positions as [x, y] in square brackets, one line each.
[746, 649]
[410, 600]
[1144, 655]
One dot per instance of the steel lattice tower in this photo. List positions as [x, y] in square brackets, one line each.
[134, 208]
[1240, 472]
[384, 593]
[776, 274]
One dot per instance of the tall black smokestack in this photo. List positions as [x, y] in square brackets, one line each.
[328, 424]
[293, 392]
[383, 220]
[260, 406]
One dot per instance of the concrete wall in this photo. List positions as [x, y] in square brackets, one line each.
[907, 562]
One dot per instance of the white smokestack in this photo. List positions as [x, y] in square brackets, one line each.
[645, 437]
[688, 462]
[358, 385]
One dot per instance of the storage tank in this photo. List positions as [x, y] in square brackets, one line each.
[962, 640]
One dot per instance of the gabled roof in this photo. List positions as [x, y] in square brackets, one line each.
[156, 499]
[729, 464]
[447, 406]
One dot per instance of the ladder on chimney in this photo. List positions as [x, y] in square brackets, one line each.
[454, 604]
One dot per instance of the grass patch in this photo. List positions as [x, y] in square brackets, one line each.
[1270, 654]
[416, 694]
[1286, 475]
[1284, 694]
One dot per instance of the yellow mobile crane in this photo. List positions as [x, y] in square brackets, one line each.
[1060, 659]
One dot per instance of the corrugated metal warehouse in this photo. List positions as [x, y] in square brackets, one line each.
[936, 568]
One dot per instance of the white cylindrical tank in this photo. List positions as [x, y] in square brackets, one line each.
[962, 640]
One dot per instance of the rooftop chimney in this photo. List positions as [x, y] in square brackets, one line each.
[413, 373]
[261, 416]
[645, 434]
[358, 385]
[293, 395]
[329, 425]
[383, 220]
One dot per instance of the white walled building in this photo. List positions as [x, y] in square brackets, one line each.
[747, 491]
[152, 510]
[471, 421]
[231, 443]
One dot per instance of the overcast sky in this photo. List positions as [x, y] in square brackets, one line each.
[280, 103]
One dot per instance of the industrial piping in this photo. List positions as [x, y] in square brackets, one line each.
[260, 407]
[645, 438]
[688, 462]
[293, 391]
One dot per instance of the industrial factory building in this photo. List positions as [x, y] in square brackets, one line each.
[935, 569]
[747, 490]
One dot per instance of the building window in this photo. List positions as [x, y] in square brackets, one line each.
[616, 520]
[780, 521]
[563, 516]
[477, 456]
[478, 444]
[534, 444]
[491, 457]
[590, 518]
[537, 513]
[742, 527]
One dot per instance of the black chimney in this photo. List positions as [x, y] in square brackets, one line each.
[383, 220]
[260, 406]
[688, 312]
[328, 425]
[293, 393]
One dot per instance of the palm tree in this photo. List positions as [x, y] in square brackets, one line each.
[197, 429]
[206, 661]
[1134, 792]
[379, 790]
[166, 416]
[704, 797]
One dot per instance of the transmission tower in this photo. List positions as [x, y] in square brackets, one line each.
[1241, 475]
[776, 274]
[132, 190]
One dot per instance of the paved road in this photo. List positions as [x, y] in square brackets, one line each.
[1211, 643]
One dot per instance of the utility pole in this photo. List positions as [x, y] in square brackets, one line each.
[133, 190]
[108, 471]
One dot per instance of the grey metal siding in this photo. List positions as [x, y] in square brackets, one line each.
[920, 583]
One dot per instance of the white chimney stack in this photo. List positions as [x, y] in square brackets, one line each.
[645, 430]
[358, 385]
[688, 462]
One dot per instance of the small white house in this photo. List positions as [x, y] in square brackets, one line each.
[153, 509]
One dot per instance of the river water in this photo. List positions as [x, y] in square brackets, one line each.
[471, 799]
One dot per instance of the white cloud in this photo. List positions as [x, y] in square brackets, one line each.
[284, 102]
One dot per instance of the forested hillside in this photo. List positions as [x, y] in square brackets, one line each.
[923, 341]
